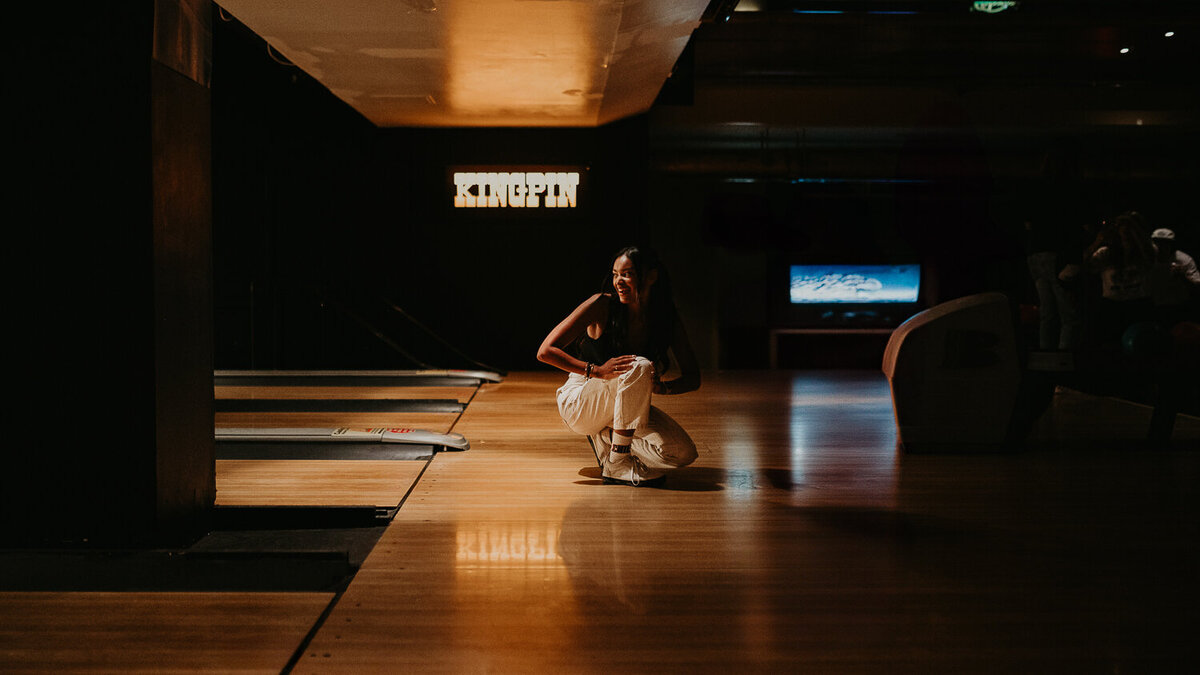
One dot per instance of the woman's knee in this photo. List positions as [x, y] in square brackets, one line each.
[668, 445]
[682, 453]
[657, 454]
[641, 368]
[584, 414]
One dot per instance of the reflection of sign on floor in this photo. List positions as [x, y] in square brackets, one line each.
[531, 189]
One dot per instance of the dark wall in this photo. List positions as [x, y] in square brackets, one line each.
[319, 214]
[322, 221]
[495, 281]
[291, 173]
[953, 198]
[864, 137]
[82, 282]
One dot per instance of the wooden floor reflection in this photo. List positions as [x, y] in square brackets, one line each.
[800, 541]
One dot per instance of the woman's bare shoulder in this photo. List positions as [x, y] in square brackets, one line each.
[596, 306]
[597, 301]
[595, 313]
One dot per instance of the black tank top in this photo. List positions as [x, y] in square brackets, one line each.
[605, 347]
[600, 350]
[597, 351]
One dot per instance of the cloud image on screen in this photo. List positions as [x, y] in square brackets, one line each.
[860, 284]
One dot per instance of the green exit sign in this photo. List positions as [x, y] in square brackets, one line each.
[992, 6]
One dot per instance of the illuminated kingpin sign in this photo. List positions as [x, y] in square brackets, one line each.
[500, 189]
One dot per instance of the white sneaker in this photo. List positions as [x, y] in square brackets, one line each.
[622, 468]
[601, 442]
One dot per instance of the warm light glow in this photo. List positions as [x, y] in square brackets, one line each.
[1124, 50]
[502, 189]
[535, 59]
[481, 63]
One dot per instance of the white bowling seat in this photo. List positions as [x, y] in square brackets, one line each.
[955, 375]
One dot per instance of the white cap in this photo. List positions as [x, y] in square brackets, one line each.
[1163, 233]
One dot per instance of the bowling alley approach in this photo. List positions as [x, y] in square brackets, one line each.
[652, 336]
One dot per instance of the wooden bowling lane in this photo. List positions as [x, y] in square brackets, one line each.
[440, 422]
[436, 422]
[460, 394]
[327, 482]
[276, 482]
[800, 541]
[154, 632]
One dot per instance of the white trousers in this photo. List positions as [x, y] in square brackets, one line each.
[589, 405]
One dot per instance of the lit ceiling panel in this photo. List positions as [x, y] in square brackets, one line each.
[481, 63]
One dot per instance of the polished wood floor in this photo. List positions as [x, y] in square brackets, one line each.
[800, 541]
[154, 632]
[284, 482]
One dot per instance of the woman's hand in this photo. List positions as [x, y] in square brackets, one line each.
[613, 367]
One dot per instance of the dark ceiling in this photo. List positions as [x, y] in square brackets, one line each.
[868, 73]
[500, 63]
[884, 41]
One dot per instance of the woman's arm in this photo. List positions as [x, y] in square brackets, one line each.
[689, 368]
[594, 310]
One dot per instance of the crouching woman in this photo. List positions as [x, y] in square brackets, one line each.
[615, 348]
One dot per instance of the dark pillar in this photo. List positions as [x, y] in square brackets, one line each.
[111, 318]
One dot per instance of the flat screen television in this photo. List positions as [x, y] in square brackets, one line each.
[846, 295]
[854, 284]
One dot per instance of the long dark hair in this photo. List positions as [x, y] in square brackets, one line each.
[660, 314]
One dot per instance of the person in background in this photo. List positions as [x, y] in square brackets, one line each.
[1174, 279]
[1048, 261]
[1122, 256]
